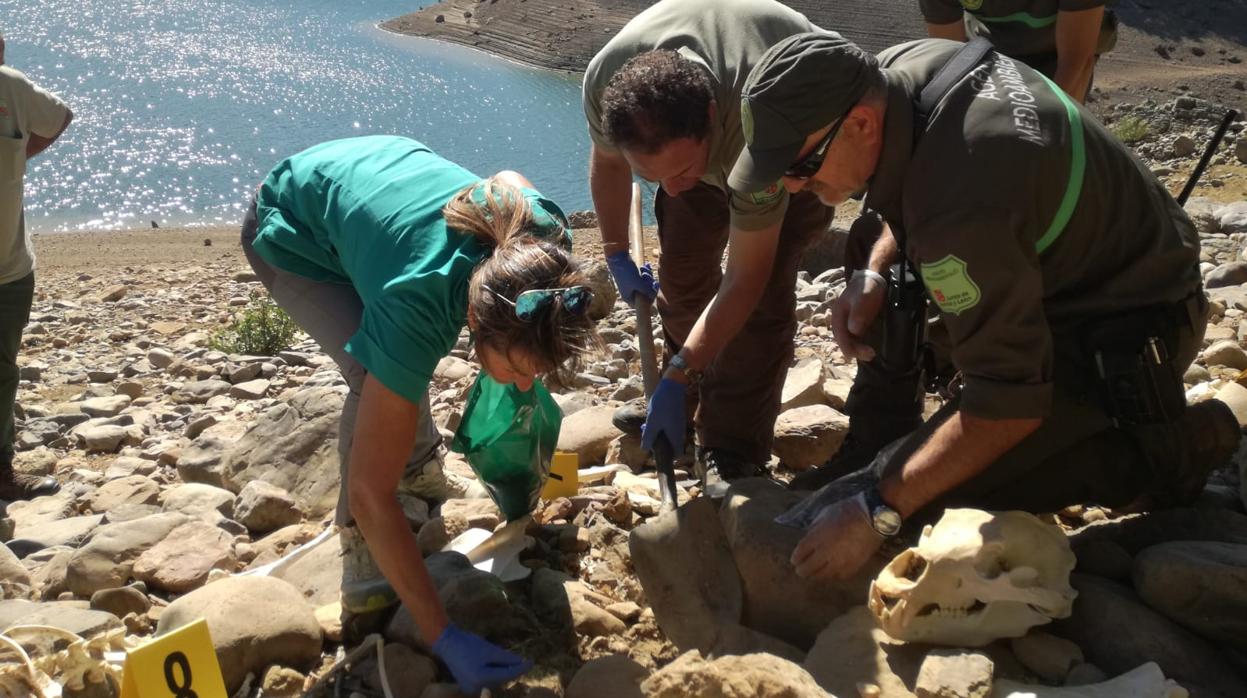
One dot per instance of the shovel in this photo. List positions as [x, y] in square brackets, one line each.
[664, 459]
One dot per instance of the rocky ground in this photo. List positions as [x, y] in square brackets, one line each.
[183, 468]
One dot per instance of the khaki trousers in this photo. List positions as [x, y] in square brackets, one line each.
[736, 405]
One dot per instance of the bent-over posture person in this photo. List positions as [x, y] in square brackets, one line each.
[1072, 318]
[382, 251]
[662, 100]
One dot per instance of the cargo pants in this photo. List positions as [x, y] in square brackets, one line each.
[739, 397]
[16, 298]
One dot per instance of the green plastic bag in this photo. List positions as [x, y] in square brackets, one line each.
[508, 437]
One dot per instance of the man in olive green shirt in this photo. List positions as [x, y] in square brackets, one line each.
[31, 118]
[1071, 317]
[662, 100]
[1063, 39]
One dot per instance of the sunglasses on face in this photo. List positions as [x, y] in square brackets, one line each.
[575, 300]
[809, 165]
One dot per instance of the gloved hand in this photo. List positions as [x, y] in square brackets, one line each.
[665, 417]
[630, 280]
[476, 663]
[855, 310]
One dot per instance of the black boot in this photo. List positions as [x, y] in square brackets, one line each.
[1184, 454]
[16, 486]
[852, 456]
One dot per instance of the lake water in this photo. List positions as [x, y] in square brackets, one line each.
[182, 106]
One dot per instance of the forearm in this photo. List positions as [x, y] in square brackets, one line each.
[884, 253]
[610, 181]
[36, 144]
[1077, 34]
[960, 448]
[393, 546]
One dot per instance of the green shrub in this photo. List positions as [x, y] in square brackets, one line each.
[262, 328]
[1131, 129]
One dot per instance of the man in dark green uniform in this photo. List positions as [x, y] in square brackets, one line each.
[1063, 39]
[1071, 317]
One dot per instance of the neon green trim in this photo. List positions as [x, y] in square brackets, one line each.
[1024, 17]
[1077, 169]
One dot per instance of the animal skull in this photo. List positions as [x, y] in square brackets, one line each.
[975, 578]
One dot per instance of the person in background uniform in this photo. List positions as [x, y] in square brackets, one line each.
[1062, 39]
[1071, 318]
[31, 119]
[382, 251]
[662, 100]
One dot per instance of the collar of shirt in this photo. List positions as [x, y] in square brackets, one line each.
[884, 194]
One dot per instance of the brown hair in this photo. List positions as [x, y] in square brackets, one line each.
[558, 341]
[655, 98]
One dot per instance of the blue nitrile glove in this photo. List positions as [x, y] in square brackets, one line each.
[665, 417]
[475, 662]
[630, 280]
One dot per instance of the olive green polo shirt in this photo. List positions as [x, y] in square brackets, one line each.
[1017, 28]
[726, 37]
[1010, 251]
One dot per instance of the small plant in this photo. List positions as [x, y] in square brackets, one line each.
[262, 328]
[1131, 129]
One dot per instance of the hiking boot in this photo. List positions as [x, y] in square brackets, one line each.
[630, 417]
[720, 466]
[852, 456]
[1204, 439]
[15, 486]
[433, 483]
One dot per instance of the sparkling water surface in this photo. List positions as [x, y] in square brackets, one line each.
[182, 106]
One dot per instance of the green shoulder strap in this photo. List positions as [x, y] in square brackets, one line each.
[1077, 170]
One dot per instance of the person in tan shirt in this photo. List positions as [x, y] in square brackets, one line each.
[31, 119]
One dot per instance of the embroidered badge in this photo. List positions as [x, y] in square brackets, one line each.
[767, 195]
[950, 285]
[972, 5]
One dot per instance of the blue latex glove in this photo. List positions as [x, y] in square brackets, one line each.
[665, 417]
[630, 280]
[476, 663]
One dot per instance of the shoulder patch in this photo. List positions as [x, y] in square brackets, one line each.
[767, 195]
[972, 5]
[949, 283]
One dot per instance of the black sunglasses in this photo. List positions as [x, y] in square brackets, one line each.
[809, 165]
[575, 300]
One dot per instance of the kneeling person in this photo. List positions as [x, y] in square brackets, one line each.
[1072, 318]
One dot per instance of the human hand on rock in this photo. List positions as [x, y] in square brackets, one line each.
[476, 663]
[838, 543]
[855, 310]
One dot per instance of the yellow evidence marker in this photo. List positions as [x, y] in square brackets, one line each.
[182, 664]
[564, 480]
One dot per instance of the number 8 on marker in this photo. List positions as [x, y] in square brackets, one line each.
[183, 689]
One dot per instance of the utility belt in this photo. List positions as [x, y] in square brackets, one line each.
[1134, 355]
[1131, 355]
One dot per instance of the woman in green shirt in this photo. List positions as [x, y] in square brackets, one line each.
[382, 251]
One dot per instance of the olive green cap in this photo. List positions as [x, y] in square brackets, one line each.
[800, 85]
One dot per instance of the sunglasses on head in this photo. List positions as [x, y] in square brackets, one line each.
[809, 165]
[575, 300]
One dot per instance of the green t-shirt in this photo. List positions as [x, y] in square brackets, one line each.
[368, 212]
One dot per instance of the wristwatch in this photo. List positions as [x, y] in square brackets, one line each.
[678, 363]
[883, 518]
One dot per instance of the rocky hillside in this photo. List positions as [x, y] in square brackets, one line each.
[186, 472]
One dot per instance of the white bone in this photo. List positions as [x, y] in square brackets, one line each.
[1145, 681]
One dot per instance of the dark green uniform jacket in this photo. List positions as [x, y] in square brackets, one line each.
[1017, 28]
[1025, 217]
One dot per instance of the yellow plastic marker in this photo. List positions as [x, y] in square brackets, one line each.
[182, 664]
[564, 476]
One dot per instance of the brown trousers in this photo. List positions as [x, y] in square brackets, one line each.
[735, 408]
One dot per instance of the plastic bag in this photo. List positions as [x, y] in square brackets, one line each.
[508, 437]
